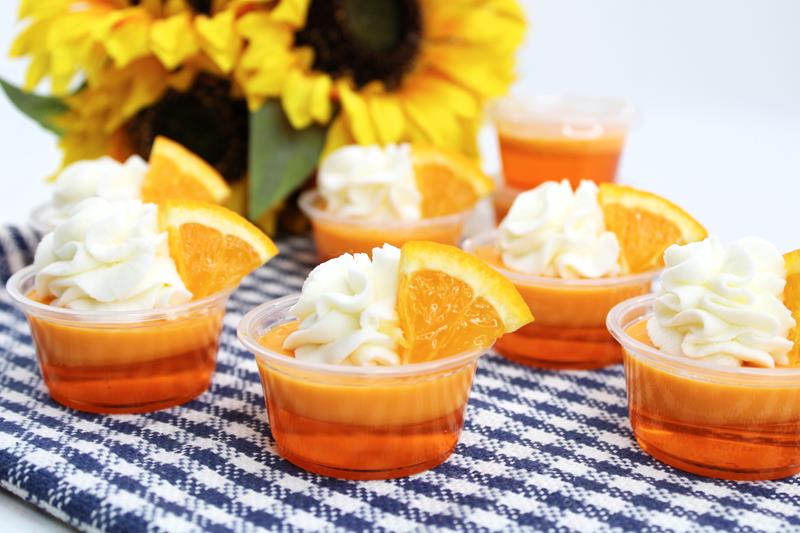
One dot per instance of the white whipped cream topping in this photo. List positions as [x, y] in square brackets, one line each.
[347, 311]
[723, 306]
[371, 183]
[552, 231]
[110, 256]
[103, 177]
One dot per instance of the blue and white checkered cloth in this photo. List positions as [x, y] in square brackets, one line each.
[540, 450]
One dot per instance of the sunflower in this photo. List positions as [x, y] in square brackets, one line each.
[262, 88]
[397, 70]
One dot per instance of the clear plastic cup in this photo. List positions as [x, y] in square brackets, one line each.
[740, 423]
[547, 137]
[357, 422]
[122, 361]
[43, 219]
[569, 331]
[335, 235]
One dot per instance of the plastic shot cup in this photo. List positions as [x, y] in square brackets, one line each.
[560, 136]
[729, 423]
[356, 422]
[122, 361]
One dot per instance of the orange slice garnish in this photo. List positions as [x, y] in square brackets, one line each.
[213, 247]
[450, 302]
[448, 181]
[791, 298]
[175, 173]
[645, 224]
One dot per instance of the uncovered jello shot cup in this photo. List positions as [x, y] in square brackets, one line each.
[356, 422]
[570, 330]
[737, 423]
[122, 361]
[335, 235]
[560, 136]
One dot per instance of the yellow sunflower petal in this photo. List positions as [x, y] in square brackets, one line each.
[127, 39]
[218, 38]
[292, 12]
[357, 114]
[173, 39]
[320, 100]
[387, 117]
[295, 97]
[338, 135]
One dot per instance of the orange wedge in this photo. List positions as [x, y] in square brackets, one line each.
[448, 181]
[175, 173]
[213, 247]
[646, 225]
[791, 298]
[450, 302]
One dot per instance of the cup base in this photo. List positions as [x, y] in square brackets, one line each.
[713, 471]
[129, 408]
[363, 475]
[558, 353]
[732, 453]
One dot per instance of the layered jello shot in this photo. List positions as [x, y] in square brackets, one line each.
[370, 195]
[172, 173]
[573, 255]
[712, 364]
[125, 300]
[366, 373]
[547, 137]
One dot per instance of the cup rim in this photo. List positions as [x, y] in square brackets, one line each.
[672, 362]
[521, 278]
[553, 108]
[308, 198]
[278, 310]
[29, 305]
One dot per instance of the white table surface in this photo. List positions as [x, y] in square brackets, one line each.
[717, 83]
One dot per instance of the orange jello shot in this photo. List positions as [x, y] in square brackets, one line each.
[573, 256]
[370, 195]
[125, 310]
[557, 136]
[366, 374]
[718, 394]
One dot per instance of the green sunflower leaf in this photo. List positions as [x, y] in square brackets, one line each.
[281, 157]
[42, 109]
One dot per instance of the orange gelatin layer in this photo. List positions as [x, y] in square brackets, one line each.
[527, 162]
[334, 239]
[127, 368]
[361, 428]
[569, 331]
[722, 430]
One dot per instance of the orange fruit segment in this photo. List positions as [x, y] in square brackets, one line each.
[645, 224]
[791, 298]
[448, 181]
[213, 247]
[450, 302]
[175, 173]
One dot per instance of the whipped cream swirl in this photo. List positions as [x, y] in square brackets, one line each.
[371, 183]
[552, 231]
[103, 177]
[108, 256]
[723, 306]
[347, 311]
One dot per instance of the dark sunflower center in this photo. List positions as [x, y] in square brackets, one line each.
[364, 39]
[205, 119]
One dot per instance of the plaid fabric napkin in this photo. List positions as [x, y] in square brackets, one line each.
[540, 450]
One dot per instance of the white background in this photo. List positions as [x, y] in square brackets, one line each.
[717, 82]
